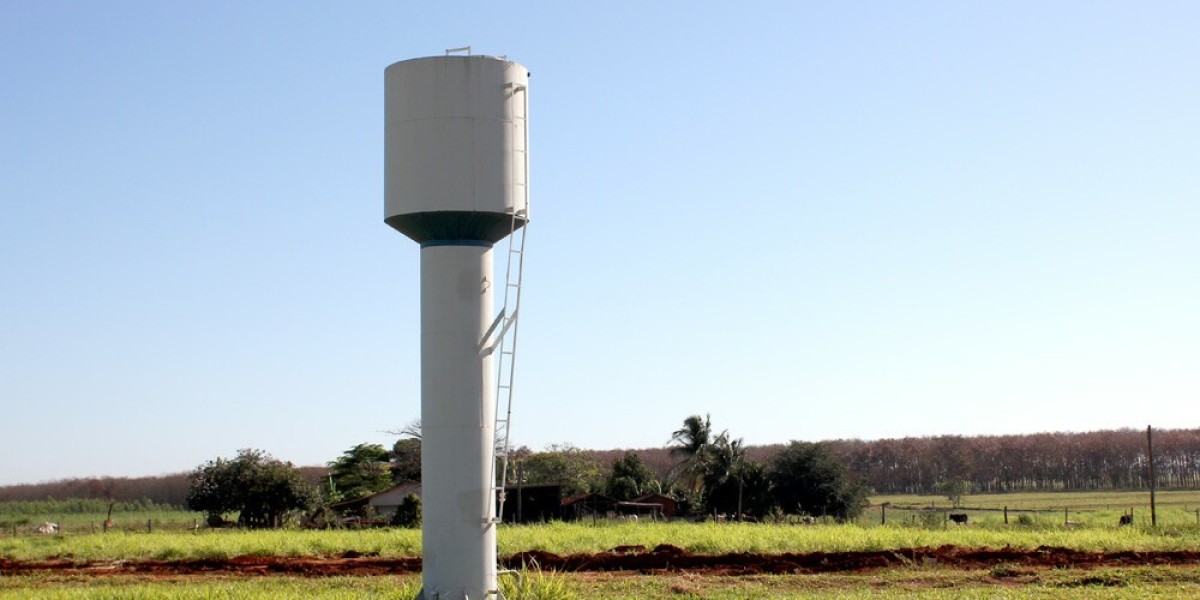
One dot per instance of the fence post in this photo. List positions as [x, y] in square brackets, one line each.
[883, 514]
[149, 526]
[1006, 514]
[1066, 516]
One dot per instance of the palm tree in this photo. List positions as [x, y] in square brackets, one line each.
[724, 461]
[691, 444]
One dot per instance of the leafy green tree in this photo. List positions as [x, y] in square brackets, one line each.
[954, 490]
[408, 514]
[629, 478]
[749, 487]
[406, 460]
[361, 471]
[563, 464]
[809, 479]
[264, 491]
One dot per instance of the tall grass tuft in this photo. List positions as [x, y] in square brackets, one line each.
[532, 583]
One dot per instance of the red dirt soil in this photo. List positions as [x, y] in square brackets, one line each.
[664, 558]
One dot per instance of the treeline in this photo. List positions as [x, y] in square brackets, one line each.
[161, 491]
[168, 490]
[76, 506]
[1098, 460]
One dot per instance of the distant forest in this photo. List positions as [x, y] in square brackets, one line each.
[170, 490]
[1098, 460]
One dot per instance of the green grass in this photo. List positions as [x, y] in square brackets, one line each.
[1105, 500]
[1107, 583]
[770, 538]
[108, 588]
[1120, 584]
[211, 544]
[90, 522]
[565, 538]
[1176, 510]
[1095, 515]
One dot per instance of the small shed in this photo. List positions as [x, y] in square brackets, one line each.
[669, 506]
[533, 503]
[640, 509]
[590, 505]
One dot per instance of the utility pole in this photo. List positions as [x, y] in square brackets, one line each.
[1150, 454]
[739, 517]
[520, 492]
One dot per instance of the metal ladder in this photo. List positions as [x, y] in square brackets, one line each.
[506, 354]
[510, 312]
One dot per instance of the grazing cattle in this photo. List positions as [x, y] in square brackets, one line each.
[1126, 520]
[960, 518]
[47, 528]
[807, 520]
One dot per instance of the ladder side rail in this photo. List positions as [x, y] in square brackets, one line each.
[506, 371]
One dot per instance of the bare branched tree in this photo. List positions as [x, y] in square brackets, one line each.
[412, 430]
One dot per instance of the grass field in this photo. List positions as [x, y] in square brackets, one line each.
[1116, 584]
[564, 538]
[1105, 500]
[1175, 509]
[910, 524]
[142, 520]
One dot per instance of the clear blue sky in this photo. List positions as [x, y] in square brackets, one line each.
[811, 220]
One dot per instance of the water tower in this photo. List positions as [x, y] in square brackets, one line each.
[456, 175]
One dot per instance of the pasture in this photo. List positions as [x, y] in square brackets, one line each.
[570, 538]
[914, 522]
[1175, 509]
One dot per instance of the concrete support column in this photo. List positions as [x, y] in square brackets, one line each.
[457, 421]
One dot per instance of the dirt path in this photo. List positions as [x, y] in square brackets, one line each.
[662, 559]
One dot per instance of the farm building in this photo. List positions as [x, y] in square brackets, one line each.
[591, 505]
[383, 504]
[524, 504]
[527, 504]
[668, 506]
[533, 503]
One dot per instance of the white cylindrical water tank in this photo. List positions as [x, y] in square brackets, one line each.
[456, 180]
[455, 153]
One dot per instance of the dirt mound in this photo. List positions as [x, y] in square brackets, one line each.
[663, 558]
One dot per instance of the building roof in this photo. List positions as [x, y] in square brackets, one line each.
[592, 496]
[409, 487]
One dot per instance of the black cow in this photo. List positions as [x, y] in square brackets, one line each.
[1126, 520]
[960, 518]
